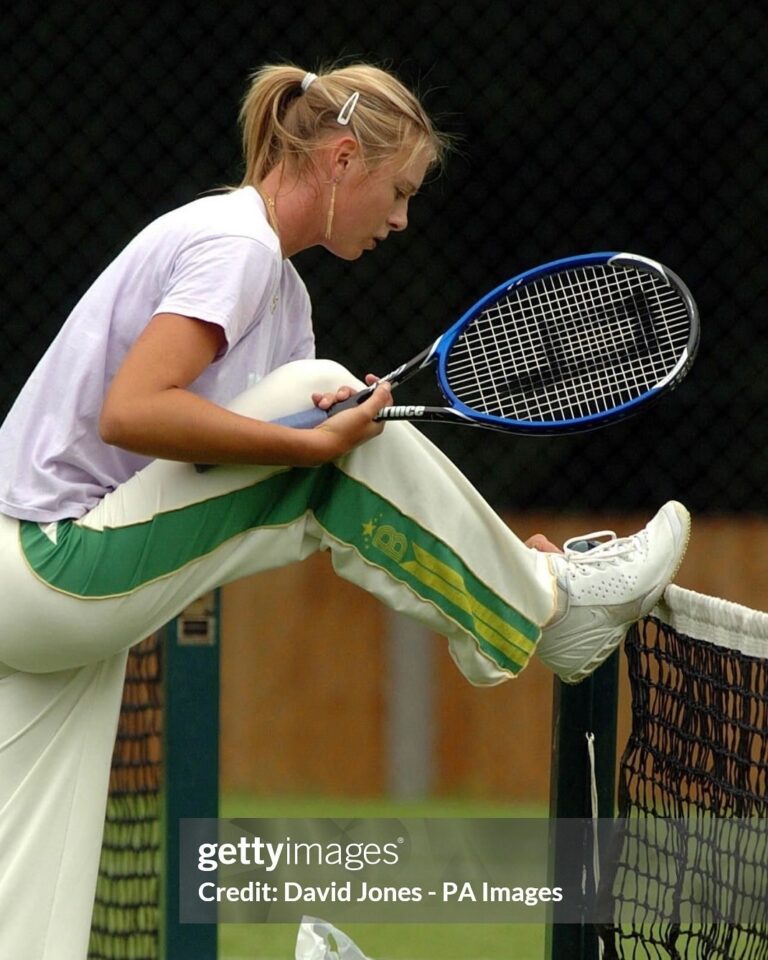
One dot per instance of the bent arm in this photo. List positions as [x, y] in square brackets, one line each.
[149, 410]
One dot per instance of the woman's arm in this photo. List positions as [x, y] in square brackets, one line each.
[148, 409]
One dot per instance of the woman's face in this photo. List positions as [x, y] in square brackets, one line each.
[370, 204]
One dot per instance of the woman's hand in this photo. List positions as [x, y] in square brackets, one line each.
[345, 430]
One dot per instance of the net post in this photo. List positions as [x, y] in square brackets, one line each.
[589, 707]
[191, 751]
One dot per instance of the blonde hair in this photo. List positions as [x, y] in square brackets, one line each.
[284, 123]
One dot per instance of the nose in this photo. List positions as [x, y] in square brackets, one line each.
[398, 219]
[398, 222]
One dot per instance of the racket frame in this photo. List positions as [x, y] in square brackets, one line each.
[460, 412]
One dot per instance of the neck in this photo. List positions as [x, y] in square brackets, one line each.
[292, 210]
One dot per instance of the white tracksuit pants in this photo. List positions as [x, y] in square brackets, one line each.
[399, 520]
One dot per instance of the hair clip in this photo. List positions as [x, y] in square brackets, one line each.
[345, 114]
[306, 83]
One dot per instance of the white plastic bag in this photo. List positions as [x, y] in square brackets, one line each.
[318, 940]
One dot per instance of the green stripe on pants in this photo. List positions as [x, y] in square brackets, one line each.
[94, 564]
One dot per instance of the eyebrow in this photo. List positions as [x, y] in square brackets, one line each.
[405, 186]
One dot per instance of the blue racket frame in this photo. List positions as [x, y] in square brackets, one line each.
[442, 347]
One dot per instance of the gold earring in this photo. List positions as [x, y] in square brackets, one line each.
[331, 208]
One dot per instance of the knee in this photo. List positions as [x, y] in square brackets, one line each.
[318, 376]
[289, 388]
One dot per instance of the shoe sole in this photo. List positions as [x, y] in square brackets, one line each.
[685, 522]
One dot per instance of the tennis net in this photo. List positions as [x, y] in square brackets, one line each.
[126, 915]
[689, 864]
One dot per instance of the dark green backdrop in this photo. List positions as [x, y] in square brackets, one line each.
[583, 127]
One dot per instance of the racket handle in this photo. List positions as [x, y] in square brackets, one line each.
[304, 419]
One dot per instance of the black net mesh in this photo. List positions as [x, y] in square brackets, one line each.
[690, 875]
[126, 914]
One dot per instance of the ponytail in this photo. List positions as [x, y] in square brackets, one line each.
[287, 112]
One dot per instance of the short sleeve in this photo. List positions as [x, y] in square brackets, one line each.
[223, 280]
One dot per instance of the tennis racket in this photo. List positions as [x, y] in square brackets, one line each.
[568, 346]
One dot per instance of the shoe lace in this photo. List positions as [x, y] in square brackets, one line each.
[597, 548]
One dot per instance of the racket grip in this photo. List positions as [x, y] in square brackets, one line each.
[304, 419]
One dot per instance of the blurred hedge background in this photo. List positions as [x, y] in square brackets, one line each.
[619, 126]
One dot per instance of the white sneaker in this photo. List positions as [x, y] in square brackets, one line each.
[604, 591]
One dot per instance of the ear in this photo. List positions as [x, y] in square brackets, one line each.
[341, 153]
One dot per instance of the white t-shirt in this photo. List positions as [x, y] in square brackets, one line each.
[215, 259]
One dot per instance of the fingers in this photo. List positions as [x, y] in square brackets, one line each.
[350, 427]
[539, 542]
[381, 397]
[326, 400]
[369, 409]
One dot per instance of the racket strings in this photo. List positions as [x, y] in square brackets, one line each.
[570, 345]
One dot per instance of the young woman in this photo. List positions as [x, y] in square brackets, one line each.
[183, 350]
